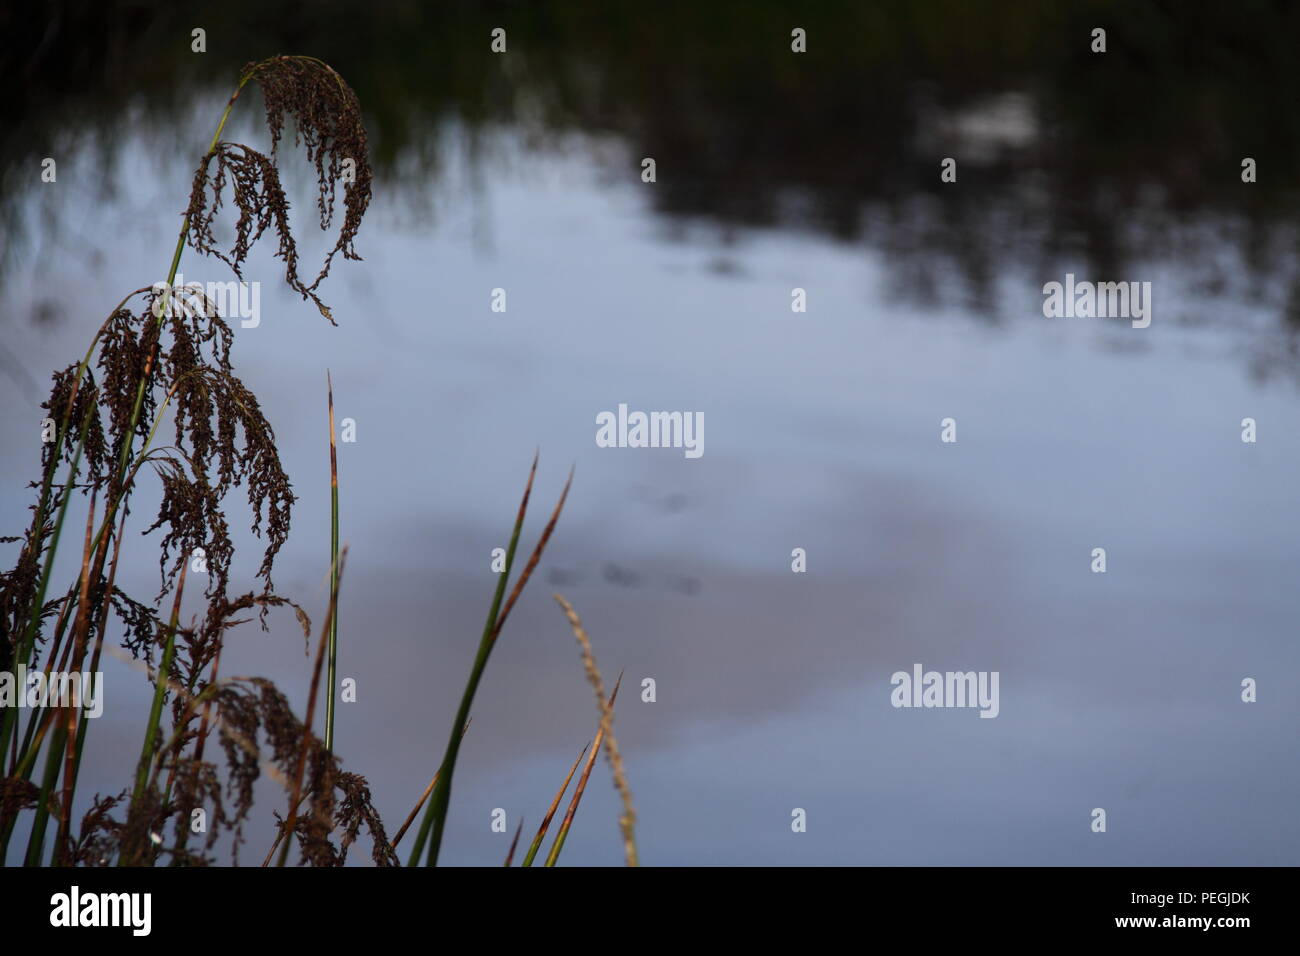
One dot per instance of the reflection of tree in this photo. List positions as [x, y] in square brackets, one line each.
[1119, 160]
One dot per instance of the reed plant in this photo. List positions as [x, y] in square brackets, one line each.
[162, 350]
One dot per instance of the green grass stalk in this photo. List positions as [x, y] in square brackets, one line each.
[569, 814]
[331, 667]
[147, 750]
[10, 718]
[63, 716]
[435, 815]
[550, 813]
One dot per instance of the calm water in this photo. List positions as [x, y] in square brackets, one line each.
[773, 689]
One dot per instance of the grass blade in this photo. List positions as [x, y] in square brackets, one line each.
[148, 749]
[159, 690]
[330, 679]
[569, 814]
[555, 805]
[37, 715]
[534, 558]
[436, 813]
[515, 842]
[423, 797]
[36, 840]
[436, 816]
[26, 644]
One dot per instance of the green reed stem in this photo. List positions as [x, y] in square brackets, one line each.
[53, 756]
[435, 815]
[159, 692]
[331, 665]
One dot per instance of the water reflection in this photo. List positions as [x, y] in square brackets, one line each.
[773, 172]
[1116, 162]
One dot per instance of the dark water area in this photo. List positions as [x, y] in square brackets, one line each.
[775, 171]
[1135, 163]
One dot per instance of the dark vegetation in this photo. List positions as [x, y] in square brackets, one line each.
[165, 348]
